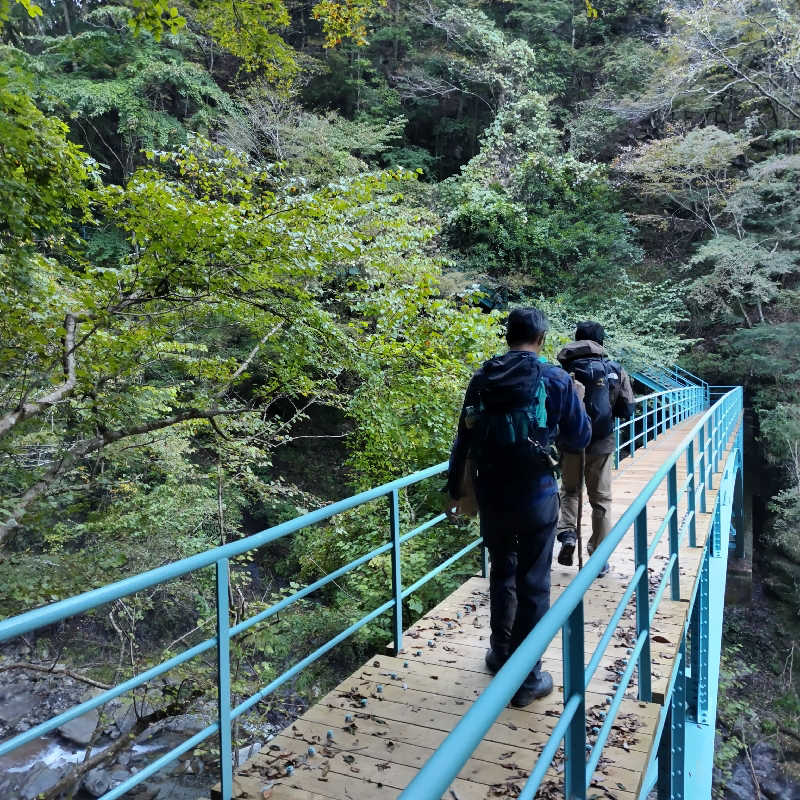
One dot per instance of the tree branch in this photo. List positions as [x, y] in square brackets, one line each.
[54, 671]
[83, 448]
[246, 363]
[749, 79]
[27, 410]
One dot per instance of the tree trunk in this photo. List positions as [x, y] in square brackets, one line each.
[744, 314]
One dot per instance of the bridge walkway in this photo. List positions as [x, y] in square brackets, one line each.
[372, 733]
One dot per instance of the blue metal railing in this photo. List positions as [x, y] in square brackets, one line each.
[707, 440]
[671, 377]
[657, 413]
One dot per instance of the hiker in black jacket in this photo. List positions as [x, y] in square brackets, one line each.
[608, 395]
[514, 408]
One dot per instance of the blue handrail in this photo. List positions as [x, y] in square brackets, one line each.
[659, 412]
[713, 432]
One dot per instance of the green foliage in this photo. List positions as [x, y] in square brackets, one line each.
[519, 205]
[123, 94]
[642, 321]
[248, 30]
[745, 272]
[35, 153]
[734, 711]
[345, 20]
[693, 171]
[316, 148]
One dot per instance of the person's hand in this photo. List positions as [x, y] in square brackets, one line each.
[580, 389]
[451, 509]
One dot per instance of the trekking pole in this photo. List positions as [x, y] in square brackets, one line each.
[580, 509]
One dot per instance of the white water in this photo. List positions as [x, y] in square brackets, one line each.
[54, 754]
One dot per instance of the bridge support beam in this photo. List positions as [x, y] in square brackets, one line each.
[697, 685]
[705, 630]
[672, 747]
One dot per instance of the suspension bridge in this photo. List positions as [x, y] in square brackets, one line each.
[634, 655]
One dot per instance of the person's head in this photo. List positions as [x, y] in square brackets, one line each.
[591, 331]
[526, 329]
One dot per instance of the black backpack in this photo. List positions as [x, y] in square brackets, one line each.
[597, 375]
[509, 428]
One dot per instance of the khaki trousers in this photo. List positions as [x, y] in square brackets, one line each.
[597, 475]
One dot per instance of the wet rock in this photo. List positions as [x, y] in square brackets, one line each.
[13, 709]
[97, 782]
[740, 784]
[124, 716]
[246, 753]
[774, 785]
[188, 724]
[41, 780]
[81, 729]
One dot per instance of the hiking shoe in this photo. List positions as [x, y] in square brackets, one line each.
[494, 660]
[566, 553]
[568, 539]
[526, 695]
[603, 572]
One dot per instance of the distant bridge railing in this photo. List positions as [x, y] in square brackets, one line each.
[712, 432]
[656, 413]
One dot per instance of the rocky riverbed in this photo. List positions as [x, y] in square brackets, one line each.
[28, 698]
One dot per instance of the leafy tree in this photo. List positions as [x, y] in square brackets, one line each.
[227, 244]
[521, 205]
[693, 171]
[747, 50]
[317, 148]
[34, 152]
[249, 30]
[745, 273]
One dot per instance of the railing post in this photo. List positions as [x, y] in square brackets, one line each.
[663, 414]
[691, 494]
[616, 444]
[679, 728]
[632, 435]
[646, 424]
[643, 604]
[224, 682]
[575, 740]
[671, 747]
[674, 544]
[704, 459]
[707, 465]
[397, 582]
[738, 506]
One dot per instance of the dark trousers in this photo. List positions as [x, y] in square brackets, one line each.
[520, 544]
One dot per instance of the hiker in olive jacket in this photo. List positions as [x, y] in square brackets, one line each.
[608, 396]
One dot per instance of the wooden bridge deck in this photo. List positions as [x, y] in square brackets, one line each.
[377, 748]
